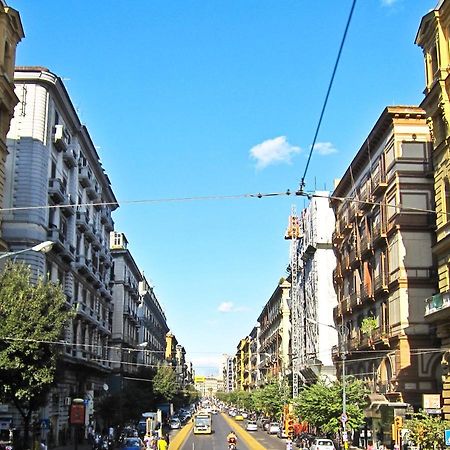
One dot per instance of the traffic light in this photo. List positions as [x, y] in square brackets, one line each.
[398, 421]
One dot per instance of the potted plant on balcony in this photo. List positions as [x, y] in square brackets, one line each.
[368, 326]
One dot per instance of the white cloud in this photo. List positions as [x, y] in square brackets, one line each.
[324, 148]
[229, 307]
[273, 151]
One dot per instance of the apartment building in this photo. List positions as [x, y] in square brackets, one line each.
[434, 39]
[54, 173]
[126, 300]
[242, 365]
[228, 373]
[382, 240]
[275, 334]
[317, 298]
[11, 33]
[153, 326]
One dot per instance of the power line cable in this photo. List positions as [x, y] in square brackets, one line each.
[330, 84]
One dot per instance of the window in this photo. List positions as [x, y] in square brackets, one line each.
[391, 203]
[446, 201]
[434, 62]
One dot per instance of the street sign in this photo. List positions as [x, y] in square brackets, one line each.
[344, 418]
[447, 437]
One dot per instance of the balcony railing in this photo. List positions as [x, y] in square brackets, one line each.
[366, 290]
[437, 302]
[381, 282]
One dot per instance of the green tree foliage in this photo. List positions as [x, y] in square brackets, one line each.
[427, 431]
[32, 318]
[321, 405]
[271, 398]
[165, 383]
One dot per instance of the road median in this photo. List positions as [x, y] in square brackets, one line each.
[249, 440]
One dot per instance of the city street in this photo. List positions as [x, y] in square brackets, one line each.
[221, 428]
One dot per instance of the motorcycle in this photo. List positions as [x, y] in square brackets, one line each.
[232, 445]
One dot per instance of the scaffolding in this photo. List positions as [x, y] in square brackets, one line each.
[294, 234]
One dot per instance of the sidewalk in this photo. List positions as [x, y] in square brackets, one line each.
[71, 446]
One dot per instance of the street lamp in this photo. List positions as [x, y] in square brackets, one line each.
[43, 247]
[342, 335]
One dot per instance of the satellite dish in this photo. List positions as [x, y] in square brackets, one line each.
[105, 387]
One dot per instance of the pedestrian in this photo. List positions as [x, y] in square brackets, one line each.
[289, 444]
[162, 444]
[370, 446]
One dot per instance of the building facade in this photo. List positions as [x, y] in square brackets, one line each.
[11, 33]
[228, 373]
[434, 39]
[126, 300]
[153, 326]
[315, 290]
[382, 241]
[53, 171]
[274, 335]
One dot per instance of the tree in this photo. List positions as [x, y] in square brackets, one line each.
[165, 383]
[427, 431]
[32, 319]
[271, 398]
[321, 404]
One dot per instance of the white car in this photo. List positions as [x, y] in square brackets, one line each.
[251, 426]
[322, 444]
[174, 424]
[274, 428]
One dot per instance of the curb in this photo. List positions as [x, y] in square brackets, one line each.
[249, 440]
[177, 442]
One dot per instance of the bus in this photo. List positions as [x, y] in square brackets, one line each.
[202, 423]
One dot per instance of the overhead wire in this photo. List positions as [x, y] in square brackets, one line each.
[330, 85]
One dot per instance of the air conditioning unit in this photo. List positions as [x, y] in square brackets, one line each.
[67, 401]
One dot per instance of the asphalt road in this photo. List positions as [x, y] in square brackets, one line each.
[215, 441]
[218, 439]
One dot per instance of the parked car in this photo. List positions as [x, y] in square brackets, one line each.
[244, 414]
[322, 444]
[282, 433]
[174, 424]
[251, 426]
[238, 417]
[274, 428]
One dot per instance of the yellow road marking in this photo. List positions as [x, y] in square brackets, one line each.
[249, 440]
[177, 442]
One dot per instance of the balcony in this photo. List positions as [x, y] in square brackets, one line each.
[57, 190]
[438, 305]
[92, 193]
[366, 291]
[379, 230]
[381, 283]
[365, 203]
[55, 235]
[366, 244]
[337, 237]
[345, 263]
[379, 183]
[354, 257]
[68, 207]
[82, 220]
[89, 233]
[85, 176]
[70, 157]
[61, 137]
[82, 264]
[355, 299]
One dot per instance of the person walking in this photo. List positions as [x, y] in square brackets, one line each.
[162, 444]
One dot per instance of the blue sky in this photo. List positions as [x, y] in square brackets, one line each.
[189, 98]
